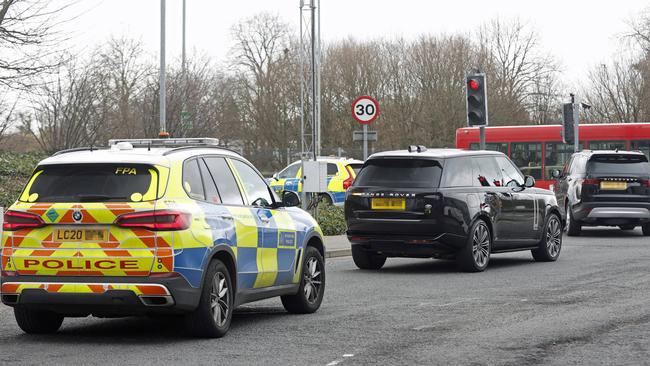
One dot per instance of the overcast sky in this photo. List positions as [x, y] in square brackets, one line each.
[579, 33]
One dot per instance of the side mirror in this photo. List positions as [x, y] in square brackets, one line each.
[555, 173]
[290, 199]
[529, 182]
[275, 177]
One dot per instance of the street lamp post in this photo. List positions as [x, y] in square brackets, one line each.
[163, 92]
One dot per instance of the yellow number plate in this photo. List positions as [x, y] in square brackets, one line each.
[613, 185]
[94, 235]
[398, 204]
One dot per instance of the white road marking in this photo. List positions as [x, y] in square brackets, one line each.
[333, 363]
[446, 304]
[348, 355]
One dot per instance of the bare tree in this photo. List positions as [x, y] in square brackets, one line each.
[518, 69]
[29, 38]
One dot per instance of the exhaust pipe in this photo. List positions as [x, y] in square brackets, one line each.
[157, 300]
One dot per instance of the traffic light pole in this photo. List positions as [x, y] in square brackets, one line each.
[481, 131]
[576, 124]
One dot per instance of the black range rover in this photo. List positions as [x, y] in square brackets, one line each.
[448, 203]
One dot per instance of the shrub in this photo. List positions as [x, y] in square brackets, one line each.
[331, 219]
[15, 170]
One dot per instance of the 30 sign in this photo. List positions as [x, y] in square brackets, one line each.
[365, 109]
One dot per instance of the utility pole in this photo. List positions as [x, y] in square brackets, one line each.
[163, 92]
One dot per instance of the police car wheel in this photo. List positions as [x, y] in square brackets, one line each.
[312, 285]
[213, 316]
[367, 260]
[551, 243]
[36, 321]
[476, 254]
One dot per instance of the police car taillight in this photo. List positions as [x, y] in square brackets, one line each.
[16, 220]
[348, 182]
[159, 220]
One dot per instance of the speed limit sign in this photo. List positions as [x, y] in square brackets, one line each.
[365, 109]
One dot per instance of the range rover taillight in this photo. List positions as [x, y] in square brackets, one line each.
[159, 220]
[16, 220]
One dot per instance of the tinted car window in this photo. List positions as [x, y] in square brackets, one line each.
[458, 173]
[225, 181]
[618, 164]
[192, 182]
[487, 172]
[211, 192]
[403, 173]
[511, 175]
[256, 188]
[332, 169]
[92, 183]
[290, 172]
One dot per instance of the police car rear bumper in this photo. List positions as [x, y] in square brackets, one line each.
[177, 295]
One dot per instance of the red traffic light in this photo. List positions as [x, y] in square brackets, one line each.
[473, 84]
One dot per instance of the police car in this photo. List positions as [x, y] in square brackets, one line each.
[155, 226]
[340, 175]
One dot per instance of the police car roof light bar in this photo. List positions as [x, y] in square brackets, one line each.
[175, 142]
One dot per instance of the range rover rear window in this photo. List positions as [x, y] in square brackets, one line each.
[400, 173]
[618, 164]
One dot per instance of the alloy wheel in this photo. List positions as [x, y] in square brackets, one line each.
[553, 237]
[313, 280]
[481, 245]
[220, 299]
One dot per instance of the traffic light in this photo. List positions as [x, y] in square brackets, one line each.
[568, 123]
[477, 111]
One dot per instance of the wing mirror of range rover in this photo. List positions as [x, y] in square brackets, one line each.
[290, 199]
[555, 173]
[529, 181]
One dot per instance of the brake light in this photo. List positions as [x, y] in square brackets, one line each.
[16, 220]
[348, 182]
[160, 220]
[645, 182]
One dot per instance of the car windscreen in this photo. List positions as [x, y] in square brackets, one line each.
[618, 164]
[401, 173]
[92, 183]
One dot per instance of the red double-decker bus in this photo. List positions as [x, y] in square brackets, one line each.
[537, 150]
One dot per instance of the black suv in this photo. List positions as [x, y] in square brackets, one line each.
[448, 203]
[609, 188]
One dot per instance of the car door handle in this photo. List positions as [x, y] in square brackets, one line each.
[506, 194]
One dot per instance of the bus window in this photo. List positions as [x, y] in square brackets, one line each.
[644, 146]
[528, 157]
[555, 156]
[492, 146]
[607, 145]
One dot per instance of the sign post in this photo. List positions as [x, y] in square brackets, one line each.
[365, 110]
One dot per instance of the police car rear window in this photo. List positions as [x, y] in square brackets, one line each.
[92, 183]
[400, 173]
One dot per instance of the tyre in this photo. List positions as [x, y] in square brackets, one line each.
[551, 243]
[312, 285]
[476, 254]
[646, 229]
[367, 260]
[573, 227]
[212, 317]
[627, 227]
[36, 321]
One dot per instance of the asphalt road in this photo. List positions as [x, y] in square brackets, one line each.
[590, 307]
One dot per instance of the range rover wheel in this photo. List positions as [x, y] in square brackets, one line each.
[476, 254]
[312, 285]
[367, 260]
[213, 315]
[551, 243]
[572, 227]
[36, 321]
[646, 229]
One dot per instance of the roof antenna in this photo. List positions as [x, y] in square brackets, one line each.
[91, 147]
[149, 145]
